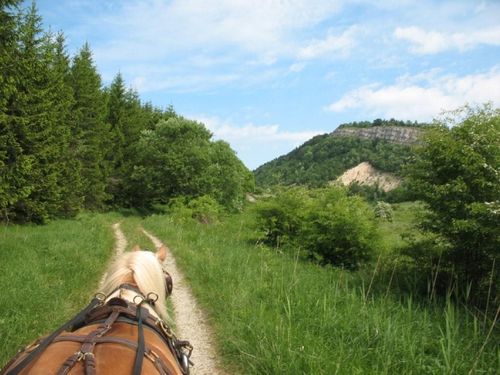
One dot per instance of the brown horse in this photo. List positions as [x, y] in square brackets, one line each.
[124, 330]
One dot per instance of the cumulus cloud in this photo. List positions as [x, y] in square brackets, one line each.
[340, 44]
[226, 130]
[255, 144]
[422, 97]
[264, 27]
[430, 42]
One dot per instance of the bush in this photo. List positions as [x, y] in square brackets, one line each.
[329, 226]
[383, 210]
[455, 173]
[203, 209]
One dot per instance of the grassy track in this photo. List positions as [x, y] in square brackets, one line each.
[48, 273]
[277, 315]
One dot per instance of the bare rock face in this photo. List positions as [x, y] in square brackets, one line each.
[366, 174]
[395, 134]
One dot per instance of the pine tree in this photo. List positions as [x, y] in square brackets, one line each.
[10, 162]
[90, 130]
[116, 118]
[127, 119]
[32, 118]
[71, 197]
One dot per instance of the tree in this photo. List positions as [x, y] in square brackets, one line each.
[37, 133]
[178, 159]
[68, 167]
[90, 130]
[11, 164]
[230, 180]
[171, 161]
[456, 172]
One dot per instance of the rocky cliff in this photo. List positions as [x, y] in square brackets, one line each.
[395, 134]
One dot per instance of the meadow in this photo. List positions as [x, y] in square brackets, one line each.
[272, 312]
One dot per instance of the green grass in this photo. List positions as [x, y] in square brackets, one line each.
[271, 312]
[274, 314]
[47, 274]
[403, 222]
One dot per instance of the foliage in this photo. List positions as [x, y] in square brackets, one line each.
[456, 172]
[37, 181]
[325, 157]
[384, 211]
[177, 158]
[67, 143]
[204, 209]
[330, 226]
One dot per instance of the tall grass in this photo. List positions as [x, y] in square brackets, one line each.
[274, 314]
[47, 274]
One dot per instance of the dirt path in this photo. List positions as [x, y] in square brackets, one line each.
[121, 241]
[191, 321]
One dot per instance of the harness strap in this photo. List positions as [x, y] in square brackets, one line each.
[69, 363]
[77, 319]
[140, 341]
[148, 352]
[86, 352]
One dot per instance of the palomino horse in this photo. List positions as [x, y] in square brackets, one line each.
[124, 329]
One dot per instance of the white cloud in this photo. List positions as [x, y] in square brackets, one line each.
[223, 129]
[339, 44]
[422, 97]
[263, 27]
[255, 144]
[429, 42]
[296, 67]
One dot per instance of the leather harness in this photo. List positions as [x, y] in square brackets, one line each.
[103, 316]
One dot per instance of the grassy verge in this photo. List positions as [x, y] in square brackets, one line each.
[276, 315]
[47, 274]
[403, 223]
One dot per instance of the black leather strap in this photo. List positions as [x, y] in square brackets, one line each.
[76, 320]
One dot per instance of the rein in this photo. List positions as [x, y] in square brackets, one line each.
[106, 314]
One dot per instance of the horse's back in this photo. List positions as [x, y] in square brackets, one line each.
[113, 354]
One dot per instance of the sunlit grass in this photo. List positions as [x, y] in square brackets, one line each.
[47, 274]
[271, 312]
[275, 314]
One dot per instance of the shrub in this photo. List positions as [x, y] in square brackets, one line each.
[203, 209]
[455, 173]
[329, 226]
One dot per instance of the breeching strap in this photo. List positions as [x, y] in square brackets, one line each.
[77, 319]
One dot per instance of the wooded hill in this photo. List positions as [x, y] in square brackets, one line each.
[386, 144]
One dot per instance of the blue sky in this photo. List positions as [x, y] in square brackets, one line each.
[267, 75]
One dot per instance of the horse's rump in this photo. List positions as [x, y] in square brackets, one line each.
[113, 352]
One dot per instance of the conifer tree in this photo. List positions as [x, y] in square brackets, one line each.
[71, 197]
[10, 163]
[116, 118]
[90, 130]
[33, 118]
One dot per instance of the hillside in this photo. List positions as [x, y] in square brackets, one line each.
[384, 144]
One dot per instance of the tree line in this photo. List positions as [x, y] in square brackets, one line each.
[68, 143]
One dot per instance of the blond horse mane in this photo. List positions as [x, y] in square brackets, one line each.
[144, 269]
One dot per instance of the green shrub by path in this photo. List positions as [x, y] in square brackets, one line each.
[274, 314]
[329, 226]
[47, 274]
